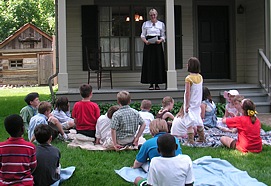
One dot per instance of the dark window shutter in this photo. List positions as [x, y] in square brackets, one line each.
[178, 37]
[89, 31]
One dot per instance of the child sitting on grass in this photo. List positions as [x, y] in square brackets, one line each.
[27, 112]
[164, 113]
[103, 130]
[44, 117]
[168, 169]
[17, 156]
[248, 126]
[237, 101]
[48, 157]
[230, 111]
[125, 122]
[62, 113]
[146, 115]
[86, 112]
[208, 109]
[149, 150]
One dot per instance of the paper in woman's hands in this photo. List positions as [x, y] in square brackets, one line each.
[153, 40]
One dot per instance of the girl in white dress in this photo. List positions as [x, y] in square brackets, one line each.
[192, 100]
[179, 125]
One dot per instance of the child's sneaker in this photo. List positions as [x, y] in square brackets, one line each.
[64, 138]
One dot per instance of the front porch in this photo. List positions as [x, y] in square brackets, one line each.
[107, 95]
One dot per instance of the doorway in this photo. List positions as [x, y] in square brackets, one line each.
[213, 41]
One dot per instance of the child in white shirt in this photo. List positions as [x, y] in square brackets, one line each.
[62, 113]
[103, 130]
[230, 110]
[169, 169]
[146, 115]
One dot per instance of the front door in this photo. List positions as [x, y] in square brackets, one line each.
[213, 36]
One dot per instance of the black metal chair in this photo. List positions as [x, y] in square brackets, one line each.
[94, 64]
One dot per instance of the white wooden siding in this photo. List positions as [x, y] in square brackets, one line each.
[76, 76]
[187, 39]
[74, 50]
[240, 44]
[254, 12]
[249, 36]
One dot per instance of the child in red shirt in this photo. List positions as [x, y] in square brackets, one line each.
[86, 113]
[17, 156]
[248, 126]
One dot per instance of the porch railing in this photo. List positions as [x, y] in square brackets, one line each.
[53, 98]
[264, 71]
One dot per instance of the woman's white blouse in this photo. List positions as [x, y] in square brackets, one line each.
[150, 29]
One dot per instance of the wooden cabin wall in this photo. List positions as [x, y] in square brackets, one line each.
[35, 70]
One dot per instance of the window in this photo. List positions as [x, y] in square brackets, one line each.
[119, 35]
[18, 63]
[115, 35]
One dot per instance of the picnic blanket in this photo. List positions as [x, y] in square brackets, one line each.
[207, 171]
[213, 135]
[65, 174]
[87, 143]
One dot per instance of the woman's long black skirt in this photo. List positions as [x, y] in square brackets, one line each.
[153, 66]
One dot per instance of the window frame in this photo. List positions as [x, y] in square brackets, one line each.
[132, 36]
[16, 63]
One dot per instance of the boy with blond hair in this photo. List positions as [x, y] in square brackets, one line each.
[44, 117]
[125, 122]
[148, 150]
[146, 115]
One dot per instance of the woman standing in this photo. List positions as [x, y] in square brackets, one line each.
[153, 67]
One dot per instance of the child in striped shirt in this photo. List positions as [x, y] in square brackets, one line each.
[17, 156]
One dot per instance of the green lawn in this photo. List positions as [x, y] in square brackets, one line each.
[97, 168]
[12, 100]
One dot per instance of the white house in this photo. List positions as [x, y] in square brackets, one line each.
[224, 34]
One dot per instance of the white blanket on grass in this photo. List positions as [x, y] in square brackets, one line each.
[207, 171]
[87, 143]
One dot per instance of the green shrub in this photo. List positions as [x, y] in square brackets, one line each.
[156, 107]
[220, 109]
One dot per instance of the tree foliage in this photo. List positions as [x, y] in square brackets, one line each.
[15, 13]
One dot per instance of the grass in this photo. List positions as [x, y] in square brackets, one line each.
[97, 168]
[12, 99]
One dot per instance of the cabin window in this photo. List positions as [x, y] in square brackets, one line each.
[18, 63]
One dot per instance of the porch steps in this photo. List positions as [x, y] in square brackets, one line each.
[107, 95]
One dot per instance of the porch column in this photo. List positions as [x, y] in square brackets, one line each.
[62, 48]
[269, 29]
[171, 73]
